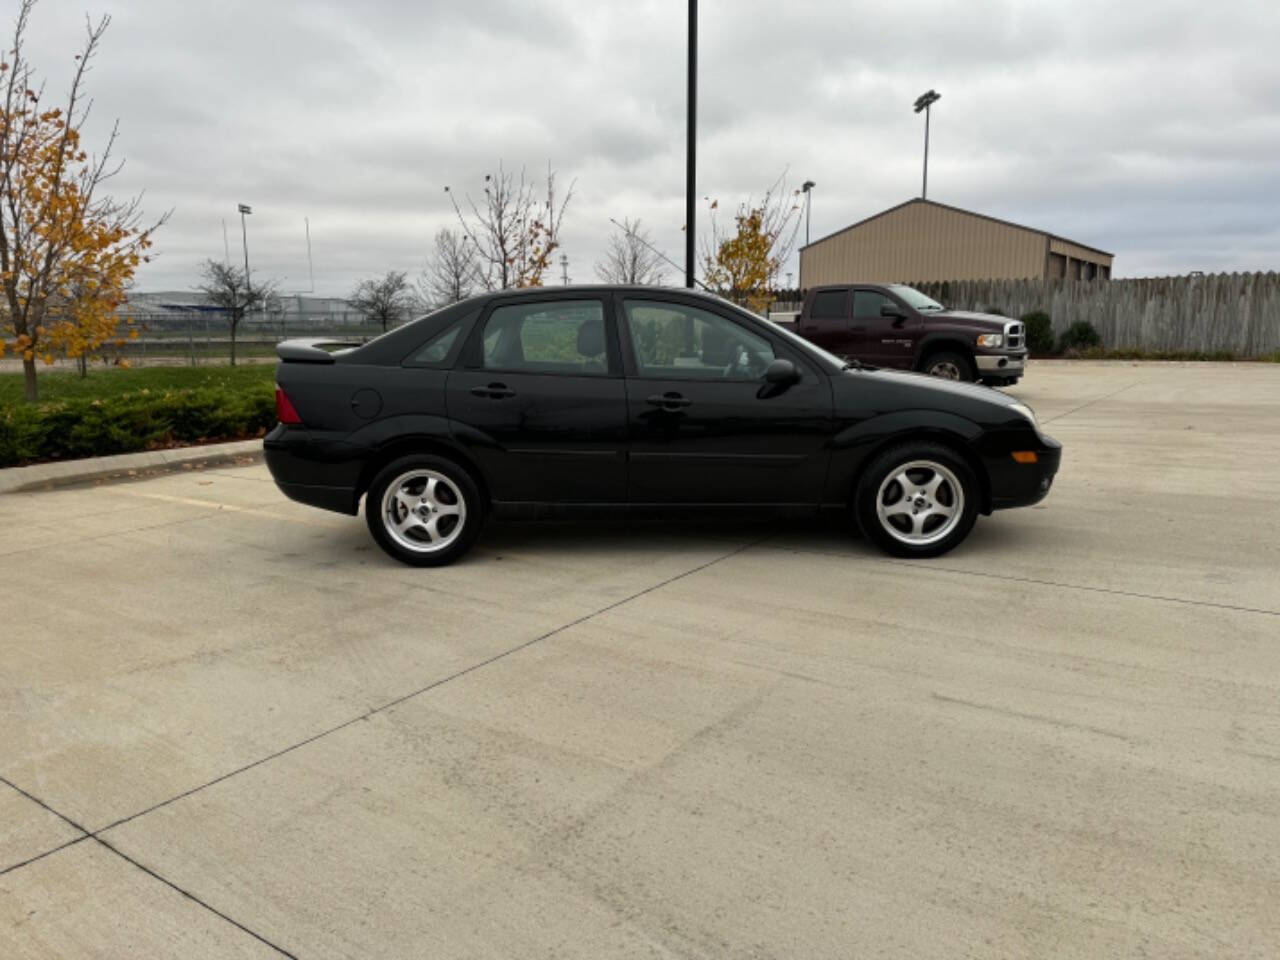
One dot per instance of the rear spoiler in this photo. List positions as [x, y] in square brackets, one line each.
[311, 349]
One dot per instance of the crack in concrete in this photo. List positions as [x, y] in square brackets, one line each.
[95, 835]
[1012, 578]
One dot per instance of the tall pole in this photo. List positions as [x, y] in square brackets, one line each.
[807, 188]
[311, 270]
[244, 239]
[924, 186]
[924, 102]
[691, 164]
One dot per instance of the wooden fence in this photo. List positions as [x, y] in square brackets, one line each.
[1234, 312]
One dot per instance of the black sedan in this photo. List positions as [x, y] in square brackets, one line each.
[575, 400]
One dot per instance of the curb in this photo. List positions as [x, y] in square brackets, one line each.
[128, 466]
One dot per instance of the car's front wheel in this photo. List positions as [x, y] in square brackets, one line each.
[424, 510]
[917, 500]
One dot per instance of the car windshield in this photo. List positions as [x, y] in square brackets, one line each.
[915, 299]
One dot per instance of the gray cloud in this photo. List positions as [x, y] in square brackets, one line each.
[1149, 129]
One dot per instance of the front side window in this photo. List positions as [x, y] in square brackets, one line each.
[867, 303]
[678, 342]
[563, 336]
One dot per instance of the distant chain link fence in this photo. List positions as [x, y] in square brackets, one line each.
[204, 337]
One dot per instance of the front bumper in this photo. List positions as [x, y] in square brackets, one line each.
[1001, 364]
[1016, 484]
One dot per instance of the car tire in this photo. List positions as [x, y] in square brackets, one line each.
[424, 510]
[949, 366]
[917, 517]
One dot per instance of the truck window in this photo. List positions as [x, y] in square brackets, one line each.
[867, 303]
[829, 305]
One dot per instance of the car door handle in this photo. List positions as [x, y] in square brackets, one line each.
[494, 391]
[668, 401]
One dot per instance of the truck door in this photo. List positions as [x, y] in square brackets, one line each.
[886, 341]
[827, 321]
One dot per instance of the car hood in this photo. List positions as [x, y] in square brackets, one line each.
[983, 321]
[936, 387]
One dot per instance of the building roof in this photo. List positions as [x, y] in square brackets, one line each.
[971, 213]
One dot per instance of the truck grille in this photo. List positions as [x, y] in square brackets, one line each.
[1013, 335]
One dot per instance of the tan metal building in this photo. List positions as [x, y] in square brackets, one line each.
[923, 241]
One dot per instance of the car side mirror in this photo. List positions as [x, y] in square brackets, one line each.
[781, 372]
[889, 310]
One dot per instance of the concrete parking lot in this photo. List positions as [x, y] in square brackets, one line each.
[230, 726]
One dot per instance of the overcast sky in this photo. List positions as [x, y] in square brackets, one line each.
[1150, 129]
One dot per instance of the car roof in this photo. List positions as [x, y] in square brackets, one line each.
[594, 288]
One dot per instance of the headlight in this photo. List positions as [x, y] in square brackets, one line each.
[1026, 411]
[991, 339]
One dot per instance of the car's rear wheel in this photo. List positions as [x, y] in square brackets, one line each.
[917, 500]
[949, 366]
[424, 510]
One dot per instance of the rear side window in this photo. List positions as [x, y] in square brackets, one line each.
[829, 305]
[563, 336]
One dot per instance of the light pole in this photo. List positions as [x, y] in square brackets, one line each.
[807, 189]
[924, 102]
[691, 152]
[244, 236]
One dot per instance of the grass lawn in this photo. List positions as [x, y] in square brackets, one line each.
[101, 384]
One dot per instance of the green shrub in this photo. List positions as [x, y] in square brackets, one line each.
[1039, 332]
[1081, 335]
[129, 422]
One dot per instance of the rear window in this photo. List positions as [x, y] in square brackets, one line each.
[440, 350]
[829, 305]
[436, 350]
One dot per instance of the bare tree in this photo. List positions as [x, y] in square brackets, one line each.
[387, 298]
[228, 288]
[514, 232]
[453, 270]
[630, 256]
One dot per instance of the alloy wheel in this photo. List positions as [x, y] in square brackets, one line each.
[423, 511]
[920, 503]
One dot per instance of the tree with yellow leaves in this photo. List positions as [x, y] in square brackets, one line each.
[744, 266]
[67, 251]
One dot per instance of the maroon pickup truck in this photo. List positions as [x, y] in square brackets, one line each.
[898, 326]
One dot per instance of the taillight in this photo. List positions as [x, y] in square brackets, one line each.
[284, 409]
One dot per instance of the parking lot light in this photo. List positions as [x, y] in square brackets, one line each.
[924, 102]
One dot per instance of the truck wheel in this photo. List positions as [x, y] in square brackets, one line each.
[424, 510]
[919, 499]
[949, 366]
